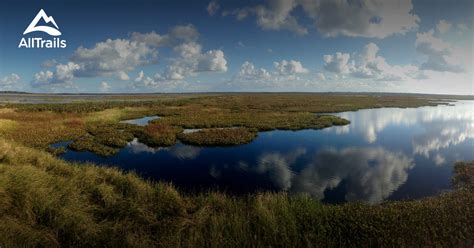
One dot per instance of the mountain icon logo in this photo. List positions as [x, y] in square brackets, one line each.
[47, 19]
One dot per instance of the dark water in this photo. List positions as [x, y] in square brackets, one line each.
[387, 153]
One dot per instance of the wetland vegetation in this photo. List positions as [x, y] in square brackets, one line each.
[48, 202]
[94, 125]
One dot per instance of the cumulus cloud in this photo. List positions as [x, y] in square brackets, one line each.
[369, 65]
[440, 54]
[285, 72]
[158, 82]
[118, 57]
[62, 77]
[104, 86]
[9, 81]
[443, 26]
[192, 60]
[289, 67]
[248, 72]
[338, 63]
[365, 18]
[113, 58]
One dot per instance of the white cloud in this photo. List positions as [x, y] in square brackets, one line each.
[289, 67]
[188, 50]
[43, 77]
[118, 57]
[443, 26]
[9, 81]
[338, 63]
[212, 61]
[158, 82]
[439, 53]
[213, 7]
[192, 60]
[113, 58]
[369, 65]
[62, 77]
[248, 72]
[104, 86]
[285, 75]
[365, 18]
[65, 72]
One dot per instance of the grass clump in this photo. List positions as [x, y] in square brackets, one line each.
[104, 140]
[89, 143]
[158, 134]
[110, 136]
[219, 137]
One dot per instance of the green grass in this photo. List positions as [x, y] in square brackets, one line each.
[46, 202]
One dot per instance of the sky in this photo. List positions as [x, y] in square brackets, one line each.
[413, 46]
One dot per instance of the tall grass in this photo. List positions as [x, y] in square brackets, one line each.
[46, 202]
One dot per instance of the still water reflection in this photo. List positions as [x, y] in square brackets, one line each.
[386, 153]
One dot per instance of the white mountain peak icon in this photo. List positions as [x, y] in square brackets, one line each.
[49, 30]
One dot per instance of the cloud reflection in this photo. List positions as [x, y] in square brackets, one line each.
[178, 151]
[370, 122]
[370, 174]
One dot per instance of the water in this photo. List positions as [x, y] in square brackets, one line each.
[384, 154]
[141, 121]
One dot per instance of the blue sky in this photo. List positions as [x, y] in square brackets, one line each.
[274, 45]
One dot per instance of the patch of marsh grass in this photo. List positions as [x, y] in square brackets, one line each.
[219, 137]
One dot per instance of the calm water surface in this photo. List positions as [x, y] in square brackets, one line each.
[141, 121]
[387, 153]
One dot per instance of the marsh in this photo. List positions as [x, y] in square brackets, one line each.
[284, 166]
[383, 154]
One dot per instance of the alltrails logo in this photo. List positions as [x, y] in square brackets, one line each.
[38, 42]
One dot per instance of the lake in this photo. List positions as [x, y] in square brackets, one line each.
[384, 154]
